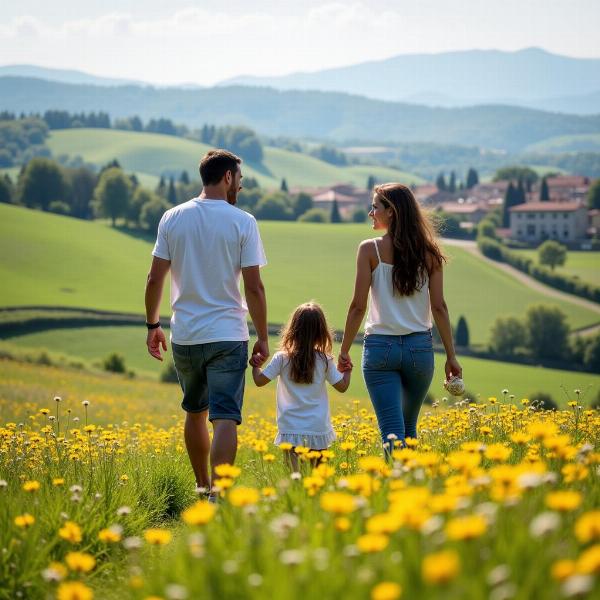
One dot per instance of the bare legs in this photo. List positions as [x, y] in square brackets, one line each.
[197, 443]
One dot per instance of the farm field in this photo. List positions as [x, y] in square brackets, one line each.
[110, 510]
[584, 142]
[483, 377]
[52, 258]
[585, 265]
[151, 154]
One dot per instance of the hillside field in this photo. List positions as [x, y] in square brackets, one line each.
[585, 265]
[483, 377]
[150, 155]
[60, 261]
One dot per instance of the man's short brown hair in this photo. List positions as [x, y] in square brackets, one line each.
[215, 163]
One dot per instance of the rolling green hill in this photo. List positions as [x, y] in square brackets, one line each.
[152, 154]
[585, 142]
[54, 260]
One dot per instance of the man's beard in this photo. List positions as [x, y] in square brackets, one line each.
[232, 194]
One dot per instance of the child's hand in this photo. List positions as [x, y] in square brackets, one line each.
[344, 362]
[257, 360]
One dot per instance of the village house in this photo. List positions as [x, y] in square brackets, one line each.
[535, 222]
[567, 188]
[470, 212]
[348, 197]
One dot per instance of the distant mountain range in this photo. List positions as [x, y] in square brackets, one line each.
[304, 114]
[532, 77]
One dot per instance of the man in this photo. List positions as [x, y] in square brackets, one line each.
[206, 243]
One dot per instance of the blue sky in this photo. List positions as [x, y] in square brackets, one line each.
[207, 41]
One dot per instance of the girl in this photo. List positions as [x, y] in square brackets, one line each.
[403, 273]
[303, 365]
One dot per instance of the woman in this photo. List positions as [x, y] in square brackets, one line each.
[403, 271]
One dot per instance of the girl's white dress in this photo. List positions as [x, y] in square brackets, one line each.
[303, 415]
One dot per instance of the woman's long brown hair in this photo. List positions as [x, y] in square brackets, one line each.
[413, 237]
[305, 337]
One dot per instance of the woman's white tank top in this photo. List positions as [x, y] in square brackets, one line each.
[393, 314]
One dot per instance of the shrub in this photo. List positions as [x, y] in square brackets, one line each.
[115, 363]
[592, 354]
[314, 215]
[490, 248]
[543, 401]
[169, 374]
[59, 208]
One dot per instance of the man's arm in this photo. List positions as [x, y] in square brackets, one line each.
[154, 289]
[256, 299]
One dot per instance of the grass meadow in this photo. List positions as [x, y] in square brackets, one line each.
[61, 261]
[493, 501]
[151, 154]
[483, 378]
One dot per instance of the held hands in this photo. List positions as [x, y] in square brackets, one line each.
[154, 341]
[344, 362]
[260, 353]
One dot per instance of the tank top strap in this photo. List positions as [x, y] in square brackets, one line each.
[377, 250]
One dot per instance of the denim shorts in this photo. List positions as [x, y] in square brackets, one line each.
[212, 378]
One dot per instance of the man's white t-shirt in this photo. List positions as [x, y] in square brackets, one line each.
[303, 408]
[208, 243]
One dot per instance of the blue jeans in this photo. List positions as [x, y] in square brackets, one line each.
[398, 370]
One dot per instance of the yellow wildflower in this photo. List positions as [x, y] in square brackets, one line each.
[227, 470]
[587, 527]
[243, 496]
[199, 513]
[466, 528]
[372, 542]
[588, 562]
[74, 590]
[157, 537]
[440, 567]
[110, 535]
[31, 486]
[25, 520]
[80, 562]
[57, 481]
[342, 524]
[71, 532]
[386, 590]
[563, 500]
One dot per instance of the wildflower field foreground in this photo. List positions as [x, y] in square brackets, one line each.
[495, 500]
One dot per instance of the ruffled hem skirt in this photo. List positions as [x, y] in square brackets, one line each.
[315, 441]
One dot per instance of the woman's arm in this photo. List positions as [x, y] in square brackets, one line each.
[439, 310]
[358, 306]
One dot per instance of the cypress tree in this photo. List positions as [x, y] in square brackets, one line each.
[172, 193]
[371, 181]
[335, 213]
[284, 186]
[472, 178]
[520, 197]
[440, 182]
[544, 191]
[509, 200]
[462, 332]
[452, 184]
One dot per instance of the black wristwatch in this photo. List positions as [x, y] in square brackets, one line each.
[153, 325]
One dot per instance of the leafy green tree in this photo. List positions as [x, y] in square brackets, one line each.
[274, 207]
[472, 178]
[359, 215]
[82, 182]
[547, 332]
[250, 183]
[42, 182]
[314, 215]
[507, 335]
[249, 198]
[6, 190]
[594, 195]
[440, 183]
[140, 197]
[449, 224]
[301, 203]
[152, 213]
[486, 228]
[335, 216]
[514, 173]
[592, 354]
[544, 191]
[112, 194]
[552, 254]
[462, 332]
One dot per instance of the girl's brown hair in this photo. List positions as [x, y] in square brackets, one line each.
[304, 337]
[416, 251]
